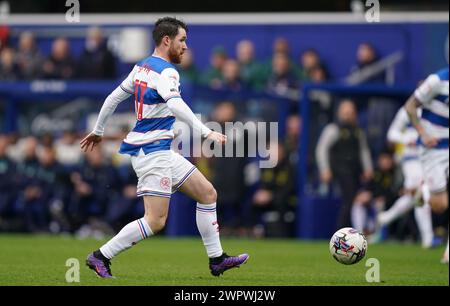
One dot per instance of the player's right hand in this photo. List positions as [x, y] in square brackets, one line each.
[217, 137]
[90, 140]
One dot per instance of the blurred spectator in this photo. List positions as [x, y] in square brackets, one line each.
[29, 162]
[96, 61]
[380, 192]
[126, 206]
[282, 80]
[318, 74]
[95, 183]
[380, 110]
[292, 140]
[188, 71]
[342, 153]
[321, 112]
[309, 59]
[29, 57]
[230, 76]
[281, 45]
[4, 35]
[273, 205]
[366, 58]
[212, 77]
[46, 140]
[16, 147]
[67, 148]
[9, 70]
[231, 192]
[8, 184]
[250, 70]
[38, 185]
[59, 65]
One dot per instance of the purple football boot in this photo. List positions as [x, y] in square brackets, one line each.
[227, 262]
[101, 267]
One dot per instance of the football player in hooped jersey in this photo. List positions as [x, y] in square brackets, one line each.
[155, 84]
[432, 98]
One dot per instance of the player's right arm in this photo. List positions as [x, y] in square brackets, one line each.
[397, 130]
[121, 93]
[422, 96]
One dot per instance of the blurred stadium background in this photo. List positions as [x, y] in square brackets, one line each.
[293, 67]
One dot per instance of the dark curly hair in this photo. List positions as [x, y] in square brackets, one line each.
[167, 26]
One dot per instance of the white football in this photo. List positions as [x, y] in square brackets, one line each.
[348, 246]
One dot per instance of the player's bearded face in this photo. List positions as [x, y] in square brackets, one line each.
[175, 53]
[177, 47]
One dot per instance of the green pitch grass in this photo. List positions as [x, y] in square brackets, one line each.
[41, 260]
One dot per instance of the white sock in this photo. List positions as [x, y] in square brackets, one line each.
[206, 218]
[400, 207]
[128, 236]
[424, 223]
[359, 216]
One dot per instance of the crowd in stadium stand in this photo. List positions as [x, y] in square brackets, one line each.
[26, 62]
[280, 73]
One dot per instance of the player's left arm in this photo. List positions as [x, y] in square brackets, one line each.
[168, 89]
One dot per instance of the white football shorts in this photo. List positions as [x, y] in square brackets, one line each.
[435, 168]
[413, 174]
[161, 173]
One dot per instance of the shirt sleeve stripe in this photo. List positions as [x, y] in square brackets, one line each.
[124, 89]
[171, 97]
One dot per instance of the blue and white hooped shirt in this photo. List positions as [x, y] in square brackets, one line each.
[153, 81]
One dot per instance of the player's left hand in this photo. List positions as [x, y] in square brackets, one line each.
[217, 137]
[90, 140]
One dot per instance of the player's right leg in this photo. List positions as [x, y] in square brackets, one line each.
[436, 167]
[154, 220]
[154, 184]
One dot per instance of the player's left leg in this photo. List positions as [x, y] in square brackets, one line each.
[197, 187]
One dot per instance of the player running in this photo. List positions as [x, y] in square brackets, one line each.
[432, 97]
[155, 84]
[401, 132]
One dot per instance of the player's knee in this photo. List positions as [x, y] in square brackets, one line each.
[210, 195]
[438, 204]
[156, 223]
